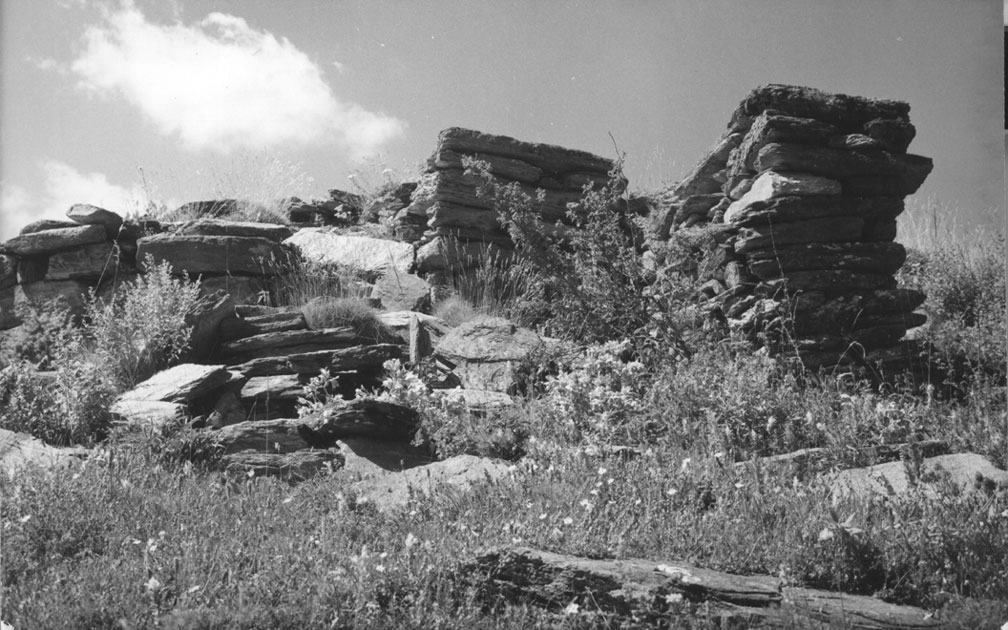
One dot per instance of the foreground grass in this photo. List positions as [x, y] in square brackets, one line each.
[129, 544]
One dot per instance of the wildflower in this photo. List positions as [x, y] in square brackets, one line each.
[603, 470]
[568, 520]
[153, 585]
[410, 540]
[686, 463]
[572, 609]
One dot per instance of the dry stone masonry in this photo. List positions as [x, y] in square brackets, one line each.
[453, 223]
[797, 204]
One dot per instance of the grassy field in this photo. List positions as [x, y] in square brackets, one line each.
[139, 538]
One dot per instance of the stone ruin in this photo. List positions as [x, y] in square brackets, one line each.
[796, 206]
[793, 210]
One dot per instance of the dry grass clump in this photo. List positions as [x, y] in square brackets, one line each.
[455, 310]
[346, 312]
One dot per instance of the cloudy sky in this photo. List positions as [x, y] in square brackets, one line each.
[113, 102]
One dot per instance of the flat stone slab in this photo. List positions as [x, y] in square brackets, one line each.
[485, 351]
[196, 254]
[55, 240]
[967, 472]
[154, 414]
[274, 387]
[358, 252]
[218, 227]
[354, 358]
[90, 262]
[182, 383]
[394, 491]
[266, 436]
[86, 214]
[21, 450]
[770, 185]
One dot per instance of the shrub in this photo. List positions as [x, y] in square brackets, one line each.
[353, 313]
[71, 406]
[142, 328]
[37, 340]
[585, 281]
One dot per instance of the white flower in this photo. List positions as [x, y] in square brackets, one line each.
[572, 609]
[410, 540]
[153, 585]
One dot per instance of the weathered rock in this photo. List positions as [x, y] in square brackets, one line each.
[32, 269]
[499, 166]
[702, 180]
[458, 188]
[961, 472]
[90, 262]
[294, 466]
[357, 252]
[182, 383]
[19, 451]
[544, 156]
[238, 327]
[856, 142]
[399, 323]
[795, 208]
[772, 126]
[356, 358]
[8, 271]
[831, 230]
[394, 491]
[640, 590]
[359, 418]
[288, 387]
[879, 231]
[831, 280]
[54, 240]
[365, 458]
[148, 414]
[402, 291]
[485, 352]
[264, 436]
[86, 214]
[47, 224]
[205, 317]
[290, 342]
[895, 135]
[445, 214]
[883, 258]
[227, 410]
[903, 173]
[849, 113]
[213, 254]
[218, 227]
[770, 185]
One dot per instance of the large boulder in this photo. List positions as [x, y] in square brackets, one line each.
[195, 254]
[402, 291]
[54, 240]
[182, 383]
[485, 352]
[960, 472]
[21, 450]
[369, 254]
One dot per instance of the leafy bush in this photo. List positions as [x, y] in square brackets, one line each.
[142, 328]
[353, 313]
[42, 332]
[71, 406]
[586, 281]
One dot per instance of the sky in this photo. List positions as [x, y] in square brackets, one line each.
[117, 103]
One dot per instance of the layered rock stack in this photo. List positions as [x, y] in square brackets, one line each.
[451, 219]
[800, 197]
[67, 259]
[239, 258]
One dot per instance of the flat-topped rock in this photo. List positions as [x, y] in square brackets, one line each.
[46, 224]
[213, 254]
[86, 214]
[54, 240]
[354, 358]
[291, 341]
[367, 418]
[960, 472]
[90, 262]
[182, 383]
[402, 291]
[19, 451]
[355, 252]
[846, 112]
[265, 436]
[770, 185]
[286, 387]
[547, 157]
[150, 414]
[485, 352]
[220, 227]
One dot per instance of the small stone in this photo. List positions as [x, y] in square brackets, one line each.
[402, 291]
[182, 383]
[86, 214]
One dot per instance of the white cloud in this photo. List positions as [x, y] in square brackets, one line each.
[64, 186]
[220, 84]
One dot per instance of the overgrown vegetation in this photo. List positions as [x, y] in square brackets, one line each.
[128, 541]
[354, 313]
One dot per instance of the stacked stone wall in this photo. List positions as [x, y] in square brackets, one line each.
[801, 195]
